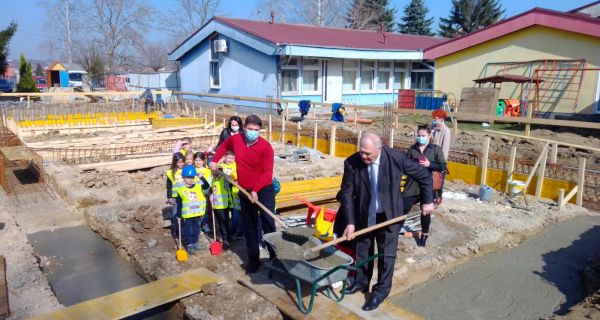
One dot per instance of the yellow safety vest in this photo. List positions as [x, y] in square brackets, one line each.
[193, 202]
[231, 170]
[222, 198]
[206, 173]
[175, 179]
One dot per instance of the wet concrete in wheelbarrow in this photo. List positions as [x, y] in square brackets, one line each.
[538, 278]
[80, 266]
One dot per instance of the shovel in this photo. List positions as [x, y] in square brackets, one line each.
[181, 254]
[260, 205]
[215, 247]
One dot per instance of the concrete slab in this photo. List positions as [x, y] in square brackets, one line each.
[532, 281]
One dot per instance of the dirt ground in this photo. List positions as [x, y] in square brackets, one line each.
[127, 210]
[589, 308]
[28, 290]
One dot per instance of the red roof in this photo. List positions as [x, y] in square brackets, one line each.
[576, 23]
[316, 36]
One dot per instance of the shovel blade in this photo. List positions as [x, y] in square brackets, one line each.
[181, 255]
[216, 248]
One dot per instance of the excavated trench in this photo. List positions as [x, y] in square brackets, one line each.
[80, 265]
[535, 280]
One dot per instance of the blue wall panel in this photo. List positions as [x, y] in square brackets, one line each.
[244, 71]
[367, 99]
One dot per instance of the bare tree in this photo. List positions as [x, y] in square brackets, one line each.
[119, 25]
[154, 56]
[315, 12]
[89, 55]
[188, 16]
[64, 19]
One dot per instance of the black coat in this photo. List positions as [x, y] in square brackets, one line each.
[355, 195]
[225, 134]
[437, 162]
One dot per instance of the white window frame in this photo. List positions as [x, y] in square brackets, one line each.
[213, 57]
[356, 69]
[373, 82]
[389, 69]
[291, 67]
[406, 71]
[317, 68]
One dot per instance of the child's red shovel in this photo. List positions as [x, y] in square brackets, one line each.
[215, 247]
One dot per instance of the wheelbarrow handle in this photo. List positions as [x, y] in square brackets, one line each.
[359, 233]
[260, 205]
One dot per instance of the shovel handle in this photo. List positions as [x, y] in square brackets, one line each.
[358, 233]
[260, 205]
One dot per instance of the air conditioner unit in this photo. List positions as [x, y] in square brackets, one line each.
[220, 46]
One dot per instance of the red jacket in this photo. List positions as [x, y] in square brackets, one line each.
[254, 163]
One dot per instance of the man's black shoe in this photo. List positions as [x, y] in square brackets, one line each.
[372, 304]
[356, 288]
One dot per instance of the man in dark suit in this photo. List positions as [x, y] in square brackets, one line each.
[370, 194]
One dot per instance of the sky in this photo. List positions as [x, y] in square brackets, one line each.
[31, 31]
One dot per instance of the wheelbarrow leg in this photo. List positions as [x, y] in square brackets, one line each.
[301, 306]
[333, 296]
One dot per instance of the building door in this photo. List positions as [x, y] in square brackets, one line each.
[332, 91]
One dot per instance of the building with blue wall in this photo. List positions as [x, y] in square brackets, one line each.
[301, 62]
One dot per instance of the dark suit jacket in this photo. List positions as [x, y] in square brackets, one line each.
[355, 195]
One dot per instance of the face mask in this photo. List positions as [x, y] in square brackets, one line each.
[435, 122]
[235, 128]
[252, 135]
[422, 140]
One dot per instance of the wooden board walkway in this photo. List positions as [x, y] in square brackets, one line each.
[4, 308]
[134, 300]
[323, 308]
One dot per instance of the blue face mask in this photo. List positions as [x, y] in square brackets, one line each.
[252, 135]
[435, 123]
[422, 140]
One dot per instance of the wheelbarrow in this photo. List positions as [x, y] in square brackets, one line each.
[317, 277]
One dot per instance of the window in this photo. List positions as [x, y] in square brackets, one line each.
[310, 76]
[367, 75]
[421, 80]
[383, 76]
[349, 75]
[215, 77]
[421, 75]
[290, 75]
[400, 71]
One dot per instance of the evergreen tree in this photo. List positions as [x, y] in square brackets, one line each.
[5, 36]
[469, 15]
[39, 71]
[415, 19]
[370, 15]
[26, 82]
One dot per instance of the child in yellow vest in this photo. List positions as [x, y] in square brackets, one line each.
[223, 201]
[191, 206]
[237, 223]
[204, 171]
[174, 180]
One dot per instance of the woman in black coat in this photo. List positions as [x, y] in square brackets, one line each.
[234, 126]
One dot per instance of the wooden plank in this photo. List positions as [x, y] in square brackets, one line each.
[533, 170]
[511, 167]
[578, 146]
[128, 165]
[316, 136]
[4, 306]
[484, 160]
[541, 173]
[332, 142]
[386, 310]
[134, 300]
[580, 181]
[561, 199]
[285, 301]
